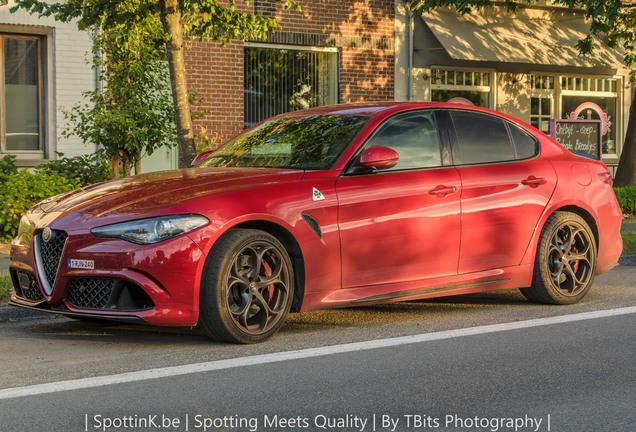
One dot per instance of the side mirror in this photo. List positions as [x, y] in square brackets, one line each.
[379, 158]
[200, 158]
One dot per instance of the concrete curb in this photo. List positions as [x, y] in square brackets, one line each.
[12, 314]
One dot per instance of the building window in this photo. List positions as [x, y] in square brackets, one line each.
[553, 97]
[20, 94]
[600, 91]
[282, 79]
[541, 101]
[473, 85]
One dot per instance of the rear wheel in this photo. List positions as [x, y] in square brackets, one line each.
[565, 263]
[247, 287]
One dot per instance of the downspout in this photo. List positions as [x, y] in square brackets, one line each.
[409, 29]
[98, 70]
[99, 85]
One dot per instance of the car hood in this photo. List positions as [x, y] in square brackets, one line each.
[156, 193]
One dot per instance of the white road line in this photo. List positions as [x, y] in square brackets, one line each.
[149, 374]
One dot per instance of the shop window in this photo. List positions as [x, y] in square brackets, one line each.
[279, 80]
[20, 94]
[600, 91]
[553, 97]
[475, 86]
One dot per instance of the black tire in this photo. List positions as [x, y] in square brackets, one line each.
[565, 263]
[247, 287]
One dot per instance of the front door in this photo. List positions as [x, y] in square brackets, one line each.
[404, 223]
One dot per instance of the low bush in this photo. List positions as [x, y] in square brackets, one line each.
[21, 189]
[24, 190]
[626, 196]
[86, 169]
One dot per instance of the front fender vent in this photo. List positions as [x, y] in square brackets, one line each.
[313, 224]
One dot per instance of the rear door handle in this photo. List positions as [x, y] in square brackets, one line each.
[533, 181]
[442, 191]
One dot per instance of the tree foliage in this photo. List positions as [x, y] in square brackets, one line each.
[219, 21]
[612, 19]
[134, 114]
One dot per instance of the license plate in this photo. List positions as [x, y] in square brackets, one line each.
[81, 264]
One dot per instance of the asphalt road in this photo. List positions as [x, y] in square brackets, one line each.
[474, 359]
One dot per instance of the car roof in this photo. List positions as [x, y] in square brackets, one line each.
[381, 108]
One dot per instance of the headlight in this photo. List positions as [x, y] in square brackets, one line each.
[153, 230]
[25, 232]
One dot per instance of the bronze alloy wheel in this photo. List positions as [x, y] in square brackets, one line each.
[565, 262]
[248, 287]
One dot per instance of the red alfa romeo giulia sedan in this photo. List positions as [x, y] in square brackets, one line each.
[337, 206]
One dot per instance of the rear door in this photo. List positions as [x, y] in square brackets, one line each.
[506, 186]
[401, 224]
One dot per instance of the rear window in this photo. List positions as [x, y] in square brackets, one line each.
[483, 138]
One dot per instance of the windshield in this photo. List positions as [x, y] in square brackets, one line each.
[310, 143]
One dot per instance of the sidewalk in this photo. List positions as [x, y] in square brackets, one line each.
[629, 224]
[4, 257]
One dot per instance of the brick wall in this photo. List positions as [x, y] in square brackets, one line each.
[215, 73]
[362, 31]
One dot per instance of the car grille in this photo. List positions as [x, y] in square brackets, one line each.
[27, 287]
[90, 293]
[51, 254]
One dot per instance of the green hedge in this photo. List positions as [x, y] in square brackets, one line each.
[21, 189]
[626, 198]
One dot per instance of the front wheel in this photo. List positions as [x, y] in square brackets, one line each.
[565, 263]
[247, 287]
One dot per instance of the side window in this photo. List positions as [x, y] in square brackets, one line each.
[525, 145]
[414, 137]
[481, 138]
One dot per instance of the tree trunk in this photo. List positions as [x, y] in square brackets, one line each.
[126, 166]
[171, 20]
[137, 165]
[626, 172]
[114, 165]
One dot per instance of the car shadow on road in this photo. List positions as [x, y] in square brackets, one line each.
[404, 312]
[113, 332]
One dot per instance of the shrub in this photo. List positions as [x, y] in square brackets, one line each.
[23, 189]
[7, 167]
[86, 169]
[626, 198]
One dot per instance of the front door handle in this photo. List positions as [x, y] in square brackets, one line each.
[441, 191]
[533, 181]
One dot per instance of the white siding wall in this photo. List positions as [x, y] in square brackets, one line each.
[68, 59]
